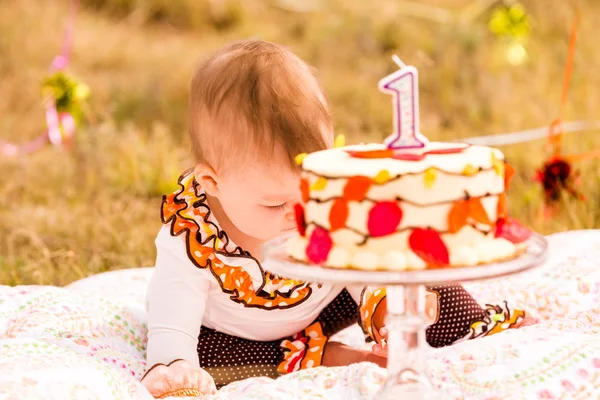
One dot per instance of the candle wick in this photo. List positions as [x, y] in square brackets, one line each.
[398, 61]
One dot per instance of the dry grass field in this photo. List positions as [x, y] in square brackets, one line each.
[67, 214]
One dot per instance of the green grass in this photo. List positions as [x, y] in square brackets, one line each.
[68, 214]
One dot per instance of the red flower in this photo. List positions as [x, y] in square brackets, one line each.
[555, 176]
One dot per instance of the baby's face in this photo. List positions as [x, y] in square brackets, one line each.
[259, 198]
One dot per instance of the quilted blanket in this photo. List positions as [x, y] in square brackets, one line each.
[87, 341]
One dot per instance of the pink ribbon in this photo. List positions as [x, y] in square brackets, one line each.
[60, 126]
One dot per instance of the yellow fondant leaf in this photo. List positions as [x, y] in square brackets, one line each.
[498, 165]
[340, 141]
[382, 177]
[319, 184]
[430, 177]
[300, 158]
[469, 170]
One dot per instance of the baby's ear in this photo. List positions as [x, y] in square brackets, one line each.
[207, 178]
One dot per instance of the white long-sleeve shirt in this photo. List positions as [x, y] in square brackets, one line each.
[201, 278]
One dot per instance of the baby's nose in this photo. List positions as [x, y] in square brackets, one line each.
[290, 213]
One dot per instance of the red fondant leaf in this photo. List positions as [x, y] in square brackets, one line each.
[319, 246]
[509, 172]
[304, 189]
[477, 212]
[338, 214]
[428, 245]
[300, 219]
[458, 215]
[450, 150]
[501, 209]
[408, 156]
[356, 188]
[384, 218]
[512, 230]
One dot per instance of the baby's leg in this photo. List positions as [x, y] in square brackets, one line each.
[457, 310]
[229, 358]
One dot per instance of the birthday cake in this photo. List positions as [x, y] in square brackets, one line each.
[406, 204]
[441, 206]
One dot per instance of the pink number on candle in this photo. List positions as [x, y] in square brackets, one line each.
[403, 86]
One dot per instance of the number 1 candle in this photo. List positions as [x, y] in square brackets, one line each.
[403, 85]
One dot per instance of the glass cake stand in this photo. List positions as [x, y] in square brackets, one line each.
[406, 326]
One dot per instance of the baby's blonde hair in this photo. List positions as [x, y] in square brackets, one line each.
[250, 97]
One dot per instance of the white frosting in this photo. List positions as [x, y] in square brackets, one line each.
[413, 261]
[467, 236]
[489, 250]
[434, 216]
[296, 247]
[474, 248]
[411, 187]
[394, 260]
[463, 255]
[338, 163]
[365, 259]
[338, 257]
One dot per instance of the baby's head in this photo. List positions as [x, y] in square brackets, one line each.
[254, 107]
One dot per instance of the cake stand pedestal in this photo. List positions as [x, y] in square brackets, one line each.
[406, 318]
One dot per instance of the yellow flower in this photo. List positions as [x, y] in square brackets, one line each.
[430, 177]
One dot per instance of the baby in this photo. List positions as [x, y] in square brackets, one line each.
[215, 315]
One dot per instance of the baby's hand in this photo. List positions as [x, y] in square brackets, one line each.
[527, 321]
[380, 349]
[177, 376]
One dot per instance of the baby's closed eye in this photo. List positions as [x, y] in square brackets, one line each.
[279, 207]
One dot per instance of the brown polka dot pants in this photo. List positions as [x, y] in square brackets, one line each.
[229, 358]
[457, 310]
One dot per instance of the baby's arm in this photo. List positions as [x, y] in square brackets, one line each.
[176, 301]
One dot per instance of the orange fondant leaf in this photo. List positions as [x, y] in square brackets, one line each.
[371, 153]
[477, 212]
[338, 214]
[509, 172]
[304, 188]
[357, 187]
[501, 210]
[458, 215]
